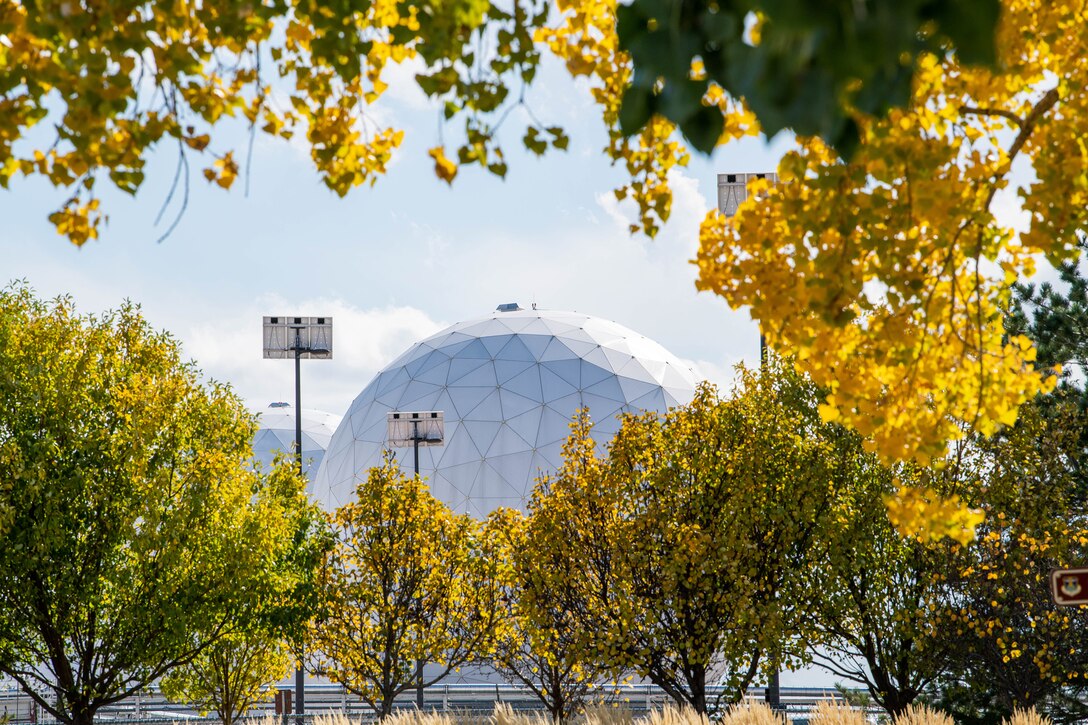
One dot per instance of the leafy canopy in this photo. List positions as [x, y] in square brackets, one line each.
[137, 534]
[407, 581]
[880, 260]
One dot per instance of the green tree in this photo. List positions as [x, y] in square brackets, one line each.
[878, 595]
[230, 676]
[233, 673]
[136, 534]
[681, 553]
[408, 581]
[1015, 647]
[537, 641]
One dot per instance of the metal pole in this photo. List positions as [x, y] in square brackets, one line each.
[300, 674]
[773, 693]
[419, 662]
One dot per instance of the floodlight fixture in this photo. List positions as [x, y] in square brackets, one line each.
[304, 337]
[287, 337]
[415, 429]
[733, 190]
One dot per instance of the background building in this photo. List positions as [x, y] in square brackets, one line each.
[508, 385]
[277, 434]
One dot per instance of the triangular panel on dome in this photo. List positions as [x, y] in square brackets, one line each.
[602, 407]
[511, 467]
[483, 375]
[421, 363]
[636, 370]
[482, 432]
[265, 440]
[555, 386]
[515, 349]
[506, 369]
[675, 377]
[475, 349]
[556, 350]
[654, 400]
[590, 374]
[606, 428]
[417, 394]
[494, 343]
[554, 428]
[677, 396]
[506, 441]
[489, 408]
[633, 388]
[515, 323]
[580, 347]
[374, 431]
[527, 384]
[536, 344]
[535, 327]
[570, 371]
[656, 368]
[526, 424]
[437, 374]
[607, 388]
[597, 357]
[390, 379]
[460, 367]
[453, 349]
[560, 328]
[617, 360]
[459, 448]
[492, 481]
[467, 399]
[514, 404]
[568, 405]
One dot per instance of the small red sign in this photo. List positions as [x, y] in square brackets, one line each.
[1069, 586]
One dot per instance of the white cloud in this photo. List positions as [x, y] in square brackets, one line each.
[364, 341]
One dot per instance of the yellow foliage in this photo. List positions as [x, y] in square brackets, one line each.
[928, 516]
[887, 275]
[409, 580]
[443, 167]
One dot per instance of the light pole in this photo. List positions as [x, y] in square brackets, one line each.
[732, 191]
[298, 337]
[415, 429]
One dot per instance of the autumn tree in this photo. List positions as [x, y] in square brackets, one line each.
[878, 596]
[233, 673]
[1017, 648]
[683, 552]
[137, 534]
[880, 259]
[408, 581]
[230, 676]
[537, 643]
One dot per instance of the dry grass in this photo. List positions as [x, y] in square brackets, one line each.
[603, 713]
[830, 712]
[503, 714]
[752, 713]
[325, 718]
[1026, 717]
[674, 716]
[922, 715]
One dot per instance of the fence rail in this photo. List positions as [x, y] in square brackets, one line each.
[322, 700]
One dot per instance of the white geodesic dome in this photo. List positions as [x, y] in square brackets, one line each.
[276, 434]
[508, 385]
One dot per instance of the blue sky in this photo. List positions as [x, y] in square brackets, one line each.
[394, 262]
